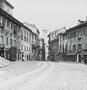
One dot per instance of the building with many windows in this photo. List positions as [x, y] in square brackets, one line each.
[77, 41]
[34, 40]
[42, 50]
[72, 43]
[26, 46]
[9, 35]
[53, 45]
[18, 41]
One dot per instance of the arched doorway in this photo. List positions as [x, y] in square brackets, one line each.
[2, 52]
[80, 57]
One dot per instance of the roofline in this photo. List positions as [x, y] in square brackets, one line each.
[77, 26]
[27, 28]
[9, 4]
[5, 14]
[56, 39]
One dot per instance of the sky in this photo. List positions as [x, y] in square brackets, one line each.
[50, 14]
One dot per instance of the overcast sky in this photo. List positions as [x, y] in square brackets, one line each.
[50, 14]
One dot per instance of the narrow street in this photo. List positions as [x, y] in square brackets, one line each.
[44, 76]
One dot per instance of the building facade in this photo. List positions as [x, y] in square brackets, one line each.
[77, 41]
[9, 34]
[26, 48]
[53, 46]
[62, 44]
[42, 50]
[18, 41]
[72, 43]
[35, 44]
[15, 37]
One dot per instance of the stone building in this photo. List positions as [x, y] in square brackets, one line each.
[62, 51]
[26, 48]
[15, 37]
[10, 29]
[34, 40]
[53, 46]
[42, 50]
[77, 41]
[72, 43]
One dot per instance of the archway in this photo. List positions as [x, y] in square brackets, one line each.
[80, 57]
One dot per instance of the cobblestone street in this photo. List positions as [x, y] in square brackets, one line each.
[44, 76]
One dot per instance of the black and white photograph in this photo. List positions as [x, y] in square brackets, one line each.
[43, 44]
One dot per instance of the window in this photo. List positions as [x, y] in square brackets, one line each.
[60, 38]
[79, 46]
[32, 36]
[24, 35]
[35, 38]
[15, 42]
[21, 47]
[85, 45]
[2, 39]
[60, 47]
[21, 35]
[74, 47]
[11, 25]
[27, 37]
[73, 34]
[25, 48]
[14, 29]
[85, 32]
[11, 42]
[2, 21]
[8, 23]
[6, 33]
[18, 44]
[6, 41]
[79, 33]
[29, 49]
[69, 47]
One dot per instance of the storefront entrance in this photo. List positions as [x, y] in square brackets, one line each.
[79, 57]
[2, 52]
